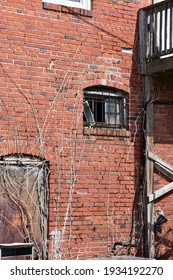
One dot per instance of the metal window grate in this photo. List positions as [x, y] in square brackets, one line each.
[105, 109]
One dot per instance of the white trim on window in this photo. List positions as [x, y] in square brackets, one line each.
[81, 4]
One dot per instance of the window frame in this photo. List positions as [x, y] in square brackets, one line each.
[109, 102]
[84, 4]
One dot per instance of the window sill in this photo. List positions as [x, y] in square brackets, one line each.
[67, 10]
[110, 132]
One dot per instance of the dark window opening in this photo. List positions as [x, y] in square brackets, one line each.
[105, 107]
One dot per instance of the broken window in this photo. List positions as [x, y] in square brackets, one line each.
[24, 202]
[105, 107]
[82, 4]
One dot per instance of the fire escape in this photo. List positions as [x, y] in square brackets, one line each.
[156, 56]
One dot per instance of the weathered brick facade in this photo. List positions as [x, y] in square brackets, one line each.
[49, 54]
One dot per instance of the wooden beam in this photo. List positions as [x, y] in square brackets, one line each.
[157, 159]
[149, 187]
[157, 194]
[142, 40]
[159, 65]
[164, 171]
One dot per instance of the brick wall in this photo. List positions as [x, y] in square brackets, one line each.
[48, 56]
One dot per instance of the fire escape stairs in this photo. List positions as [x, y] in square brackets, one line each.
[167, 170]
